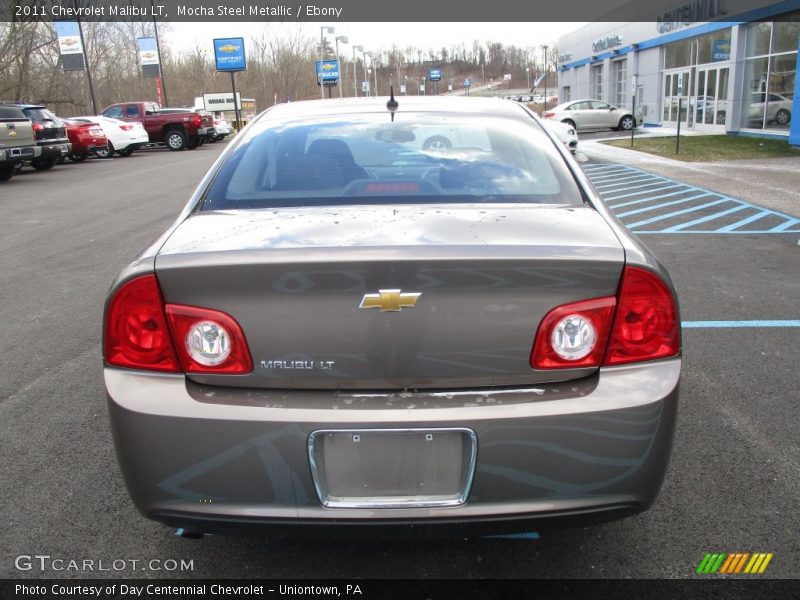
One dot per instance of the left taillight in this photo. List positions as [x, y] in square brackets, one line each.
[141, 332]
[136, 333]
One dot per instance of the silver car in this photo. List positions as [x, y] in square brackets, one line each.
[345, 328]
[593, 114]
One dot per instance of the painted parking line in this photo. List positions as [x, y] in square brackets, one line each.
[739, 324]
[656, 195]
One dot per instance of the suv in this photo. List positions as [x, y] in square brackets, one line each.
[16, 141]
[49, 132]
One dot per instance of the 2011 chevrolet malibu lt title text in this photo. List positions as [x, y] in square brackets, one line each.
[416, 315]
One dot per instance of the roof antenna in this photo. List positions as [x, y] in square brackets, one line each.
[392, 104]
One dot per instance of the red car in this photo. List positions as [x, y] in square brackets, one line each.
[86, 138]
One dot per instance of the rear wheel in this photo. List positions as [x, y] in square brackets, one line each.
[176, 140]
[7, 171]
[437, 143]
[77, 157]
[43, 164]
[106, 152]
[782, 117]
[626, 123]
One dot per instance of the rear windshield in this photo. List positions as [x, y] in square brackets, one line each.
[369, 159]
[9, 112]
[40, 114]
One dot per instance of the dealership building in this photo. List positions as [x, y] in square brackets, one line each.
[736, 76]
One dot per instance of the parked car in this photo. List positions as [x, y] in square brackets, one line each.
[123, 138]
[86, 138]
[222, 128]
[179, 130]
[17, 142]
[342, 329]
[50, 134]
[565, 132]
[592, 114]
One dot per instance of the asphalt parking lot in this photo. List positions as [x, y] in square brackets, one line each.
[733, 482]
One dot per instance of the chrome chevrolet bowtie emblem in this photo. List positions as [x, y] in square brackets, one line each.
[390, 300]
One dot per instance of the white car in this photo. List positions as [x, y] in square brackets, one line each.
[566, 133]
[222, 128]
[592, 114]
[123, 137]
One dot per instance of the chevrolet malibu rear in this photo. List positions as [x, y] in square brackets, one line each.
[343, 328]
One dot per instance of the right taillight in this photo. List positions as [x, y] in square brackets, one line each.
[548, 115]
[646, 323]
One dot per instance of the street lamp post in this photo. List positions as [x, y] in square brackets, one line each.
[375, 68]
[544, 53]
[360, 49]
[366, 78]
[322, 32]
[344, 40]
[528, 73]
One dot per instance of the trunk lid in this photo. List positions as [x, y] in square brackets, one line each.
[295, 278]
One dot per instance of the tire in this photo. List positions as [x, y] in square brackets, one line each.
[626, 123]
[77, 157]
[571, 123]
[437, 143]
[42, 164]
[125, 151]
[7, 171]
[783, 116]
[107, 153]
[176, 140]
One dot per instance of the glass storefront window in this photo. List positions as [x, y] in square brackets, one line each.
[678, 54]
[786, 35]
[758, 37]
[597, 82]
[620, 81]
[714, 47]
[755, 77]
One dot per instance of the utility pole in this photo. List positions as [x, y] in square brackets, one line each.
[86, 63]
[344, 40]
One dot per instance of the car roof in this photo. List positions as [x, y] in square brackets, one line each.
[453, 104]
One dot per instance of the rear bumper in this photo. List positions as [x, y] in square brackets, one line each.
[214, 459]
[54, 151]
[14, 155]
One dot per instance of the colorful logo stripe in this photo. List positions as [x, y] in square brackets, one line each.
[734, 563]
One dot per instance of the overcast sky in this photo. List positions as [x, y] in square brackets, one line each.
[381, 36]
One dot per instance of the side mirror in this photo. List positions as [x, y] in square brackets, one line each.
[612, 108]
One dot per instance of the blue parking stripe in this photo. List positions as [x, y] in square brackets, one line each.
[785, 226]
[705, 219]
[606, 187]
[661, 189]
[743, 222]
[660, 206]
[725, 324]
[649, 198]
[600, 181]
[615, 182]
[677, 213]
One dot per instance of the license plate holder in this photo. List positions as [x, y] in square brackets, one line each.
[392, 468]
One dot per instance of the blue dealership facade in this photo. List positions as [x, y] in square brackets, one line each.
[737, 76]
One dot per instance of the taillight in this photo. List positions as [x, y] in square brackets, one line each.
[197, 120]
[640, 324]
[573, 335]
[38, 127]
[126, 127]
[136, 333]
[548, 115]
[142, 333]
[646, 325]
[208, 341]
